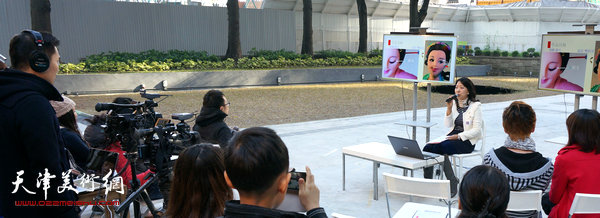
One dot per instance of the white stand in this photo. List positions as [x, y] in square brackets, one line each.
[414, 123]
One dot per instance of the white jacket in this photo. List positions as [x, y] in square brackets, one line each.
[472, 122]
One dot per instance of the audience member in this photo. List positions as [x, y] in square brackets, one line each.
[484, 193]
[209, 123]
[31, 142]
[577, 166]
[67, 118]
[256, 164]
[524, 168]
[199, 188]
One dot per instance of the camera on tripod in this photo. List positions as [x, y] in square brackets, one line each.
[145, 135]
[162, 141]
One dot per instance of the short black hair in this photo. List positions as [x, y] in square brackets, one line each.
[123, 100]
[213, 98]
[467, 83]
[255, 158]
[22, 44]
[583, 126]
[484, 192]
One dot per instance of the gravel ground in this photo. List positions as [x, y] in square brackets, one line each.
[259, 106]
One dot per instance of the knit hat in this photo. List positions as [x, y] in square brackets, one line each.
[62, 107]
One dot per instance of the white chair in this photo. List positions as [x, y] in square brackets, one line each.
[428, 188]
[337, 215]
[457, 159]
[525, 201]
[585, 204]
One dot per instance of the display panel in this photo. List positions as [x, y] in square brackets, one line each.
[569, 63]
[419, 58]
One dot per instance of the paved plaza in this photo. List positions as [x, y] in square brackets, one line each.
[319, 144]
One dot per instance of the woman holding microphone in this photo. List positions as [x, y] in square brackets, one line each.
[463, 117]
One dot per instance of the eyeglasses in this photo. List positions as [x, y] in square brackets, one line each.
[227, 104]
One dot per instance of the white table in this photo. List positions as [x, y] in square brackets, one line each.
[410, 210]
[381, 153]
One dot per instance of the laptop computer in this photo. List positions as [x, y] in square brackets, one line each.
[410, 148]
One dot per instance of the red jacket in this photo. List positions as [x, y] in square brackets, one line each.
[121, 161]
[574, 172]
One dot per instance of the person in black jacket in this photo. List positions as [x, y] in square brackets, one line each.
[67, 118]
[30, 133]
[256, 164]
[210, 124]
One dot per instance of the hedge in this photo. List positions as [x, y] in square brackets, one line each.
[189, 60]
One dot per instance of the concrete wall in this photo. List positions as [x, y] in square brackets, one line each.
[509, 65]
[127, 82]
[88, 27]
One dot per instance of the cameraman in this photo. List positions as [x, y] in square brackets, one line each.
[210, 123]
[256, 164]
[30, 135]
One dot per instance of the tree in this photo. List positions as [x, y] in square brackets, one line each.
[40, 15]
[307, 31]
[362, 22]
[234, 47]
[416, 18]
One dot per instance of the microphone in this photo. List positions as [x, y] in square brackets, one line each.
[453, 97]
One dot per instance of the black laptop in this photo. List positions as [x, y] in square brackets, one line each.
[410, 148]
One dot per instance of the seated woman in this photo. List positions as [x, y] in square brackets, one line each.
[67, 118]
[463, 115]
[199, 188]
[577, 166]
[484, 192]
[524, 168]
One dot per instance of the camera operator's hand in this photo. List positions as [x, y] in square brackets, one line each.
[308, 191]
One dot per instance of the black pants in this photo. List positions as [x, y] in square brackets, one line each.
[448, 147]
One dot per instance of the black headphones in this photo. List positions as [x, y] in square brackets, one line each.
[38, 59]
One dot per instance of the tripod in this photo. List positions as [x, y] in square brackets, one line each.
[140, 191]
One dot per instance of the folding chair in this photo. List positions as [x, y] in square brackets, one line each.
[458, 164]
[585, 204]
[525, 201]
[428, 188]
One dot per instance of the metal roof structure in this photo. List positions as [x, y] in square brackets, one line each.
[542, 11]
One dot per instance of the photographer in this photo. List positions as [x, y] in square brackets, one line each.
[256, 164]
[30, 136]
[210, 123]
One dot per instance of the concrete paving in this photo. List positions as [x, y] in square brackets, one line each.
[318, 144]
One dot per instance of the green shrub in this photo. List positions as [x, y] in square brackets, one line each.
[478, 52]
[531, 50]
[375, 53]
[487, 52]
[514, 54]
[185, 60]
[460, 51]
[525, 54]
[536, 54]
[496, 52]
[504, 53]
[469, 52]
